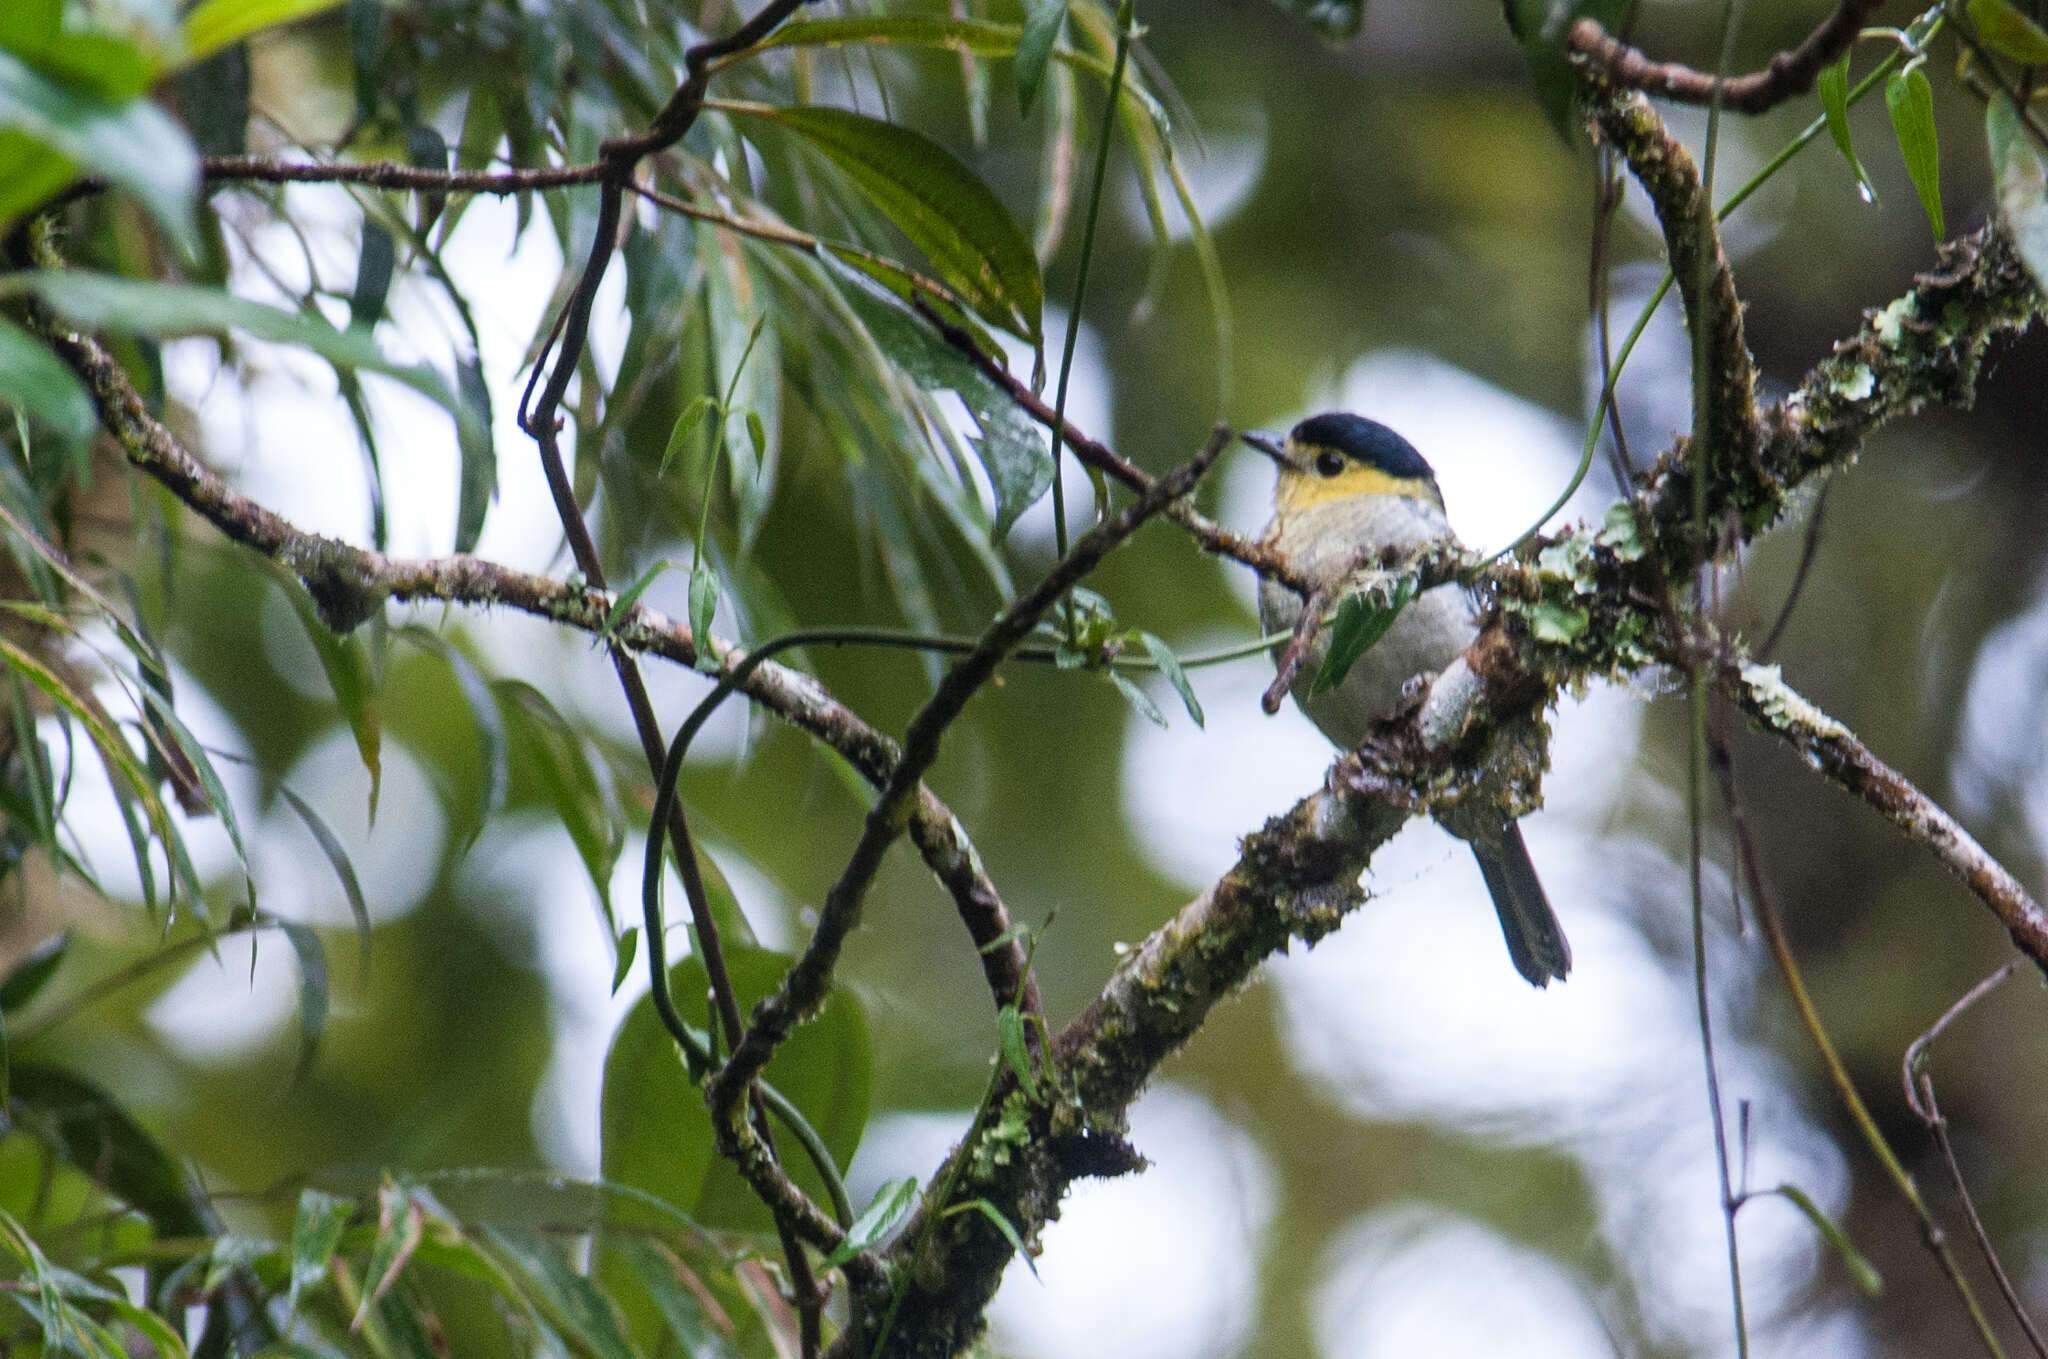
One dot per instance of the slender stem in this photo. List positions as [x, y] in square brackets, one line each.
[1059, 402]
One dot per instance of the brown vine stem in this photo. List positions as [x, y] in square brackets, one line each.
[1787, 75]
[1838, 1075]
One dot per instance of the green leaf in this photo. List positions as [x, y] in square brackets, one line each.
[130, 306]
[685, 425]
[758, 432]
[1868, 1281]
[98, 1137]
[337, 858]
[213, 24]
[1360, 622]
[561, 764]
[312, 991]
[479, 454]
[703, 608]
[1335, 20]
[1001, 1224]
[1015, 452]
[133, 143]
[349, 674]
[975, 37]
[317, 1225]
[892, 1204]
[625, 602]
[1137, 698]
[1909, 98]
[376, 258]
[938, 203]
[568, 1300]
[40, 385]
[400, 1227]
[483, 710]
[1833, 81]
[2003, 28]
[662, 1274]
[1169, 666]
[1043, 20]
[628, 950]
[2022, 179]
[1016, 1053]
[33, 972]
[30, 27]
[655, 1133]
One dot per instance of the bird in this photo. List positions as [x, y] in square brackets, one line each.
[1348, 483]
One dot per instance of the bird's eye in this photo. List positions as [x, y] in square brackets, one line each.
[1329, 464]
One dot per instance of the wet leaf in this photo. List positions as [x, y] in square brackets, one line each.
[1833, 82]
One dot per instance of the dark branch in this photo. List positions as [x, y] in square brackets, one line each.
[1786, 76]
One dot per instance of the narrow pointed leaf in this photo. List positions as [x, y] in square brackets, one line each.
[1016, 1055]
[2003, 28]
[1138, 698]
[1833, 82]
[1867, 1279]
[1359, 623]
[892, 1204]
[938, 203]
[1169, 666]
[703, 608]
[213, 24]
[1909, 98]
[317, 1225]
[1043, 20]
[36, 382]
[33, 972]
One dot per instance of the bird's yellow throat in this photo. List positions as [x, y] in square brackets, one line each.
[1299, 491]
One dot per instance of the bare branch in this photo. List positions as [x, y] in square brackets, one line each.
[1786, 76]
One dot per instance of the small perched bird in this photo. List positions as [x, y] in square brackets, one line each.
[1348, 483]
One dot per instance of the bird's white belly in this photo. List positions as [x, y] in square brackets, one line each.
[1431, 632]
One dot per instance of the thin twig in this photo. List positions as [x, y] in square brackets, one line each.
[1809, 549]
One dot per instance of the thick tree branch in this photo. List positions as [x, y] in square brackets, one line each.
[1786, 76]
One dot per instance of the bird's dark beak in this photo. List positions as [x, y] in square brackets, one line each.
[1273, 446]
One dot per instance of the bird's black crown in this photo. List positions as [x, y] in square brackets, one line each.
[1363, 440]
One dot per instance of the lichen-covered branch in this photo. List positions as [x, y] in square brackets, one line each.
[1835, 751]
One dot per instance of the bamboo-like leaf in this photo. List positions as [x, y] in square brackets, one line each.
[376, 259]
[337, 858]
[1909, 98]
[132, 142]
[33, 972]
[483, 710]
[1001, 1224]
[1867, 1279]
[317, 1225]
[561, 764]
[1833, 82]
[132, 306]
[213, 24]
[1043, 20]
[570, 1301]
[631, 596]
[701, 1334]
[938, 203]
[892, 1204]
[1360, 622]
[347, 665]
[1016, 1053]
[1169, 666]
[2003, 28]
[400, 1226]
[38, 384]
[1137, 698]
[703, 608]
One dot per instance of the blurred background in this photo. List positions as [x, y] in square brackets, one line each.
[1386, 1146]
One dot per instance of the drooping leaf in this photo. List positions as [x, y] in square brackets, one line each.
[33, 972]
[97, 1136]
[892, 1204]
[1360, 622]
[630, 596]
[312, 958]
[376, 258]
[943, 207]
[1015, 452]
[975, 37]
[1137, 698]
[569, 1301]
[2003, 28]
[1169, 666]
[479, 454]
[39, 385]
[132, 306]
[213, 24]
[400, 1227]
[133, 143]
[1868, 1281]
[317, 1226]
[561, 764]
[686, 424]
[1016, 1053]
[346, 663]
[686, 1314]
[703, 608]
[2022, 179]
[1833, 82]
[1043, 20]
[1909, 98]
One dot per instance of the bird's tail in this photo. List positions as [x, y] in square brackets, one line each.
[1535, 940]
